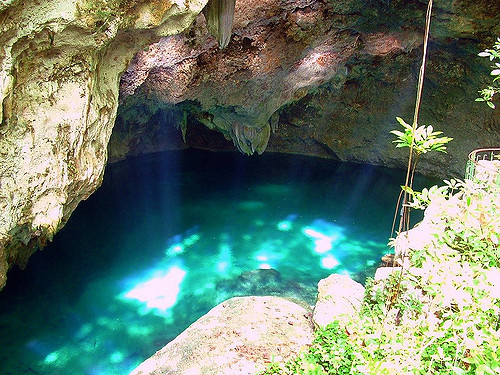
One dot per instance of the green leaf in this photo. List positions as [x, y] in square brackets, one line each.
[397, 133]
[401, 121]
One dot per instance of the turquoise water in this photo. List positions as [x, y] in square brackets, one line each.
[170, 235]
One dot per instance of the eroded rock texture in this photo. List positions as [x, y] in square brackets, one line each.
[60, 65]
[339, 298]
[316, 77]
[239, 336]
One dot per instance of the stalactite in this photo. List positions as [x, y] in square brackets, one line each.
[249, 139]
[219, 15]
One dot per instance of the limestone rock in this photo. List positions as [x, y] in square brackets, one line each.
[60, 65]
[219, 15]
[339, 297]
[236, 337]
[237, 90]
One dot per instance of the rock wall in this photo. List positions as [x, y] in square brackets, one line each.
[317, 77]
[60, 66]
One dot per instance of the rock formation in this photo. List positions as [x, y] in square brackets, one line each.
[239, 336]
[339, 298]
[219, 15]
[266, 282]
[316, 77]
[60, 66]
[242, 334]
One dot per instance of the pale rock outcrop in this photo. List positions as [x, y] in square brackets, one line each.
[60, 65]
[339, 298]
[239, 336]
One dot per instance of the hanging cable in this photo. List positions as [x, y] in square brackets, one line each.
[404, 220]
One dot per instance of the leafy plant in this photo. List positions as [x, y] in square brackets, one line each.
[330, 353]
[486, 94]
[446, 317]
[442, 314]
[420, 140]
[423, 139]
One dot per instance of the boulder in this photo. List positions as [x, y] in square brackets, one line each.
[239, 336]
[339, 297]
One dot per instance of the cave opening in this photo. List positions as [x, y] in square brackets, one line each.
[175, 230]
[171, 234]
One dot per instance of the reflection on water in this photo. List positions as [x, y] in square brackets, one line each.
[168, 236]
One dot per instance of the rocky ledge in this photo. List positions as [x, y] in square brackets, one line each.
[315, 77]
[243, 334]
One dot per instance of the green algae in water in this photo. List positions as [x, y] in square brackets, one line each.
[170, 235]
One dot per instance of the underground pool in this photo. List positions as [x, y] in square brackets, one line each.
[170, 235]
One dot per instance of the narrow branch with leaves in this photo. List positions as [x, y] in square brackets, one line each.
[487, 94]
[420, 140]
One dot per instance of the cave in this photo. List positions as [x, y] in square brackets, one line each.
[211, 150]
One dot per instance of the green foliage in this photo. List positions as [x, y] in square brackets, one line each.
[420, 140]
[440, 316]
[423, 198]
[474, 228]
[331, 353]
[486, 94]
[424, 138]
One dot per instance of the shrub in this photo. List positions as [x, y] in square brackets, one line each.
[441, 317]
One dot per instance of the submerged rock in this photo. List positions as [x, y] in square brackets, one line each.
[267, 282]
[239, 336]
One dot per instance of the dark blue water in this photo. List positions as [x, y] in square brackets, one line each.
[170, 235]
